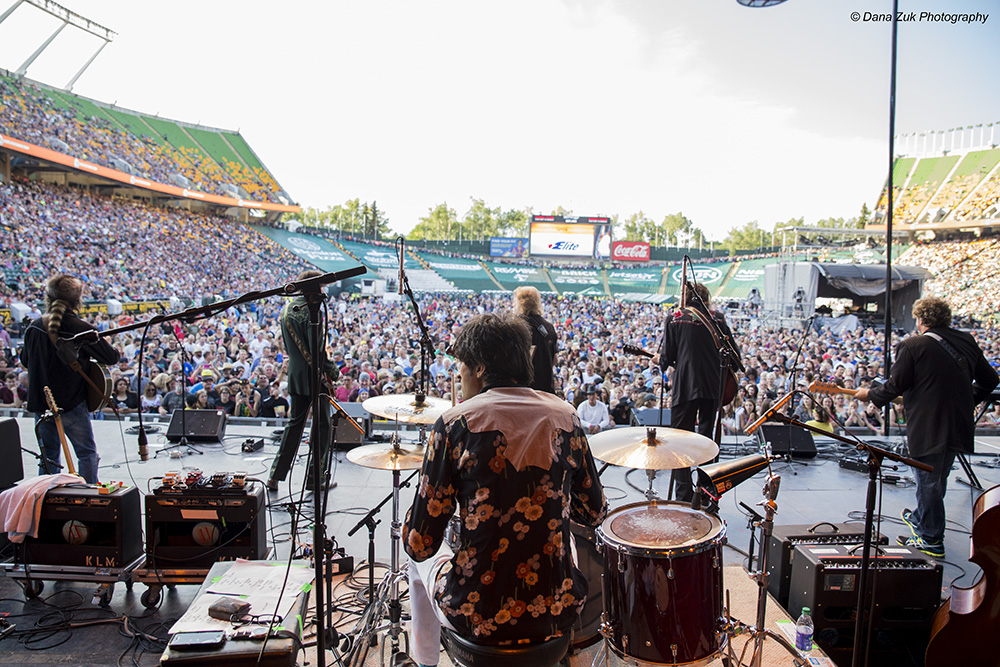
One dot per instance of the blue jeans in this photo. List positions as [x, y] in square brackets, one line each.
[929, 516]
[76, 425]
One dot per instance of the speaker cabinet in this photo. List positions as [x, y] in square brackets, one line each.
[198, 425]
[11, 472]
[787, 439]
[194, 528]
[651, 417]
[83, 527]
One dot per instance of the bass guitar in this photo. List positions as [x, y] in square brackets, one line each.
[59, 428]
[963, 624]
[728, 390]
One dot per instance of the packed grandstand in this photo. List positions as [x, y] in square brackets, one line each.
[142, 247]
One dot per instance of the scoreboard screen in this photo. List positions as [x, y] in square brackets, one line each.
[559, 236]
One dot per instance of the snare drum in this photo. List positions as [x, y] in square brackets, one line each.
[663, 583]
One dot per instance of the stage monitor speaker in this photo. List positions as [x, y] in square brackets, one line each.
[199, 425]
[787, 439]
[11, 472]
[650, 417]
[348, 437]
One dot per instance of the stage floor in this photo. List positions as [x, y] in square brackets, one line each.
[814, 491]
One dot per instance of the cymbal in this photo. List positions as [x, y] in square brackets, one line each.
[667, 449]
[387, 456]
[404, 408]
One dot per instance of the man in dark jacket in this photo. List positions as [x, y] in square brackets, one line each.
[528, 306]
[689, 346]
[49, 367]
[298, 338]
[941, 375]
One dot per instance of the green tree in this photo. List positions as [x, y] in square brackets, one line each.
[864, 218]
[437, 225]
[480, 221]
[638, 227]
[513, 222]
[747, 237]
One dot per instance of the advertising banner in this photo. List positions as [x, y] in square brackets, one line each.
[508, 247]
[630, 251]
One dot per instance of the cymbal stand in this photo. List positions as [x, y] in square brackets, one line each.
[394, 628]
[759, 632]
[651, 494]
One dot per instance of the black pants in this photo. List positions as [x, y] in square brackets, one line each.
[292, 435]
[683, 416]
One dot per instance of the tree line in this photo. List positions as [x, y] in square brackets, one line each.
[480, 222]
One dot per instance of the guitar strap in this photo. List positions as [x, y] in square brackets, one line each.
[950, 349]
[78, 367]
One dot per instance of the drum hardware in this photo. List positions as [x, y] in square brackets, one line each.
[758, 632]
[390, 456]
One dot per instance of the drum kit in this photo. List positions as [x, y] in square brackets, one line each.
[661, 580]
[394, 456]
[657, 564]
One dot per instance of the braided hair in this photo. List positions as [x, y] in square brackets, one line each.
[62, 293]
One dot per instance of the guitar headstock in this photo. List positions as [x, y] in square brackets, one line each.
[818, 387]
[632, 349]
[50, 399]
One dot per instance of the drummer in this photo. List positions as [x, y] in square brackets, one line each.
[509, 459]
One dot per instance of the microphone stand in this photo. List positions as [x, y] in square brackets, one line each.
[305, 286]
[876, 455]
[425, 340]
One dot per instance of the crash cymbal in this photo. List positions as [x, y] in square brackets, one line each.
[404, 408]
[651, 448]
[387, 456]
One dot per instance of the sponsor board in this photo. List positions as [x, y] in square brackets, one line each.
[630, 251]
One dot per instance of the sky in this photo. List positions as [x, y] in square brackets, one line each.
[724, 113]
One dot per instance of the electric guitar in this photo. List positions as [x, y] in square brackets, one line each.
[728, 390]
[59, 427]
[818, 387]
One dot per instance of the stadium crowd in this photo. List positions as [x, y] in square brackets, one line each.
[31, 114]
[130, 251]
[127, 250]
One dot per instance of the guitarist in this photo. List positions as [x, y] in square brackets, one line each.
[689, 346]
[941, 375]
[298, 339]
[48, 366]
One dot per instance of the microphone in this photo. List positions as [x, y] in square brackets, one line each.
[771, 411]
[684, 282]
[402, 256]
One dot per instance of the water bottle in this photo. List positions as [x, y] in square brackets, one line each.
[804, 632]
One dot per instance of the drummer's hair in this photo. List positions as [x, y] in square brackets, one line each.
[501, 342]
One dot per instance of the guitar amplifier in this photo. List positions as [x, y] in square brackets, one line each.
[80, 526]
[907, 592]
[194, 528]
[784, 539]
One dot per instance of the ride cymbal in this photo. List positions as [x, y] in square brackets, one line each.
[404, 408]
[649, 448]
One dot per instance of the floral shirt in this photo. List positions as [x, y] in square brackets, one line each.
[515, 464]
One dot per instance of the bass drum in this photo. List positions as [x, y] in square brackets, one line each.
[589, 560]
[663, 583]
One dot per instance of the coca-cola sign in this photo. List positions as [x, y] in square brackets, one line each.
[630, 251]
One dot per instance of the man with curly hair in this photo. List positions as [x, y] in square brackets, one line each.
[515, 464]
[941, 375]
